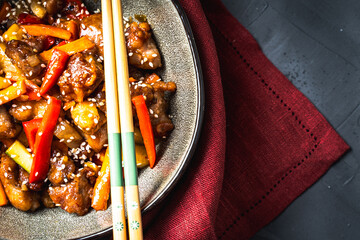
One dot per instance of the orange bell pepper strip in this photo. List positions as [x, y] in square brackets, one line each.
[153, 78]
[12, 92]
[102, 186]
[55, 69]
[3, 199]
[43, 140]
[73, 27]
[145, 128]
[70, 48]
[47, 30]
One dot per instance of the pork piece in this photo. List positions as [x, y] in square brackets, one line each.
[154, 93]
[24, 179]
[141, 47]
[100, 98]
[135, 73]
[160, 121]
[25, 111]
[46, 200]
[144, 89]
[8, 129]
[24, 55]
[62, 169]
[75, 196]
[91, 27]
[81, 77]
[81, 153]
[53, 6]
[9, 176]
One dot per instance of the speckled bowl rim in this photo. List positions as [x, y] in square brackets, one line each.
[197, 129]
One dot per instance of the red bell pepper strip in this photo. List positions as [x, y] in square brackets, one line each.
[75, 9]
[55, 69]
[30, 129]
[33, 91]
[26, 19]
[44, 136]
[145, 128]
[33, 94]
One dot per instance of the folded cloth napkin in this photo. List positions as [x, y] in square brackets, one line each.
[250, 165]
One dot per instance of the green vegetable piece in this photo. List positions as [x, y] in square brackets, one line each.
[20, 155]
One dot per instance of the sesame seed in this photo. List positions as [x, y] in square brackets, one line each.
[156, 116]
[43, 65]
[151, 64]
[154, 55]
[93, 136]
[36, 174]
[6, 98]
[62, 127]
[151, 111]
[130, 54]
[40, 133]
[96, 121]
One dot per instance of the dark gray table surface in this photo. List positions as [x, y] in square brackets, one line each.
[316, 44]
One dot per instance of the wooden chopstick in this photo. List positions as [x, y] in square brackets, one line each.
[113, 125]
[127, 126]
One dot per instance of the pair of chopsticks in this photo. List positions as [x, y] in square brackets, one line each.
[119, 107]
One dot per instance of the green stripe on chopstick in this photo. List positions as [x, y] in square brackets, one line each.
[116, 175]
[129, 154]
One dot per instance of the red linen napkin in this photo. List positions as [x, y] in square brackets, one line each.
[276, 144]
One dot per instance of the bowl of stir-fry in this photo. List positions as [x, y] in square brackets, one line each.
[53, 126]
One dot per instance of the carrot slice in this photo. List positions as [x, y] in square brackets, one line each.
[102, 186]
[145, 128]
[3, 199]
[71, 48]
[47, 30]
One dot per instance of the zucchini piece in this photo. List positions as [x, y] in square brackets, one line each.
[20, 155]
